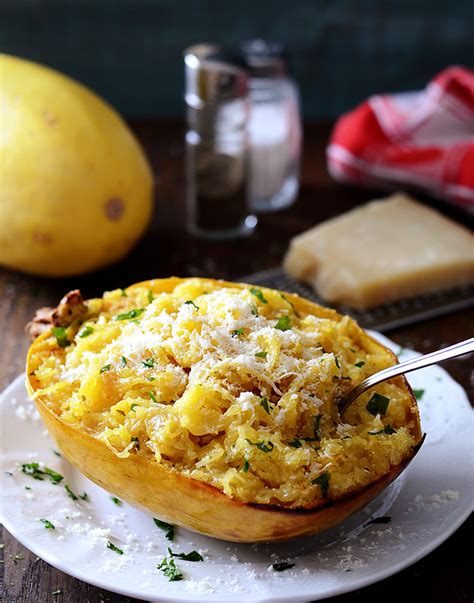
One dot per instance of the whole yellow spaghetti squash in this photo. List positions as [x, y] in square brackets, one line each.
[215, 406]
[76, 187]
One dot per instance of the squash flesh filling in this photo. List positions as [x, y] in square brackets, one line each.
[232, 387]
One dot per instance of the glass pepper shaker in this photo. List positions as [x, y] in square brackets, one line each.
[217, 173]
[274, 128]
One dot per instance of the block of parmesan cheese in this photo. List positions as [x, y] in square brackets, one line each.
[383, 251]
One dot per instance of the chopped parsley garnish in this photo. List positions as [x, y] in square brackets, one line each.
[169, 569]
[87, 330]
[264, 405]
[136, 441]
[377, 405]
[34, 470]
[191, 303]
[153, 397]
[246, 466]
[133, 406]
[84, 496]
[47, 524]
[113, 547]
[281, 567]
[254, 310]
[192, 556]
[123, 361]
[123, 292]
[134, 313]
[317, 425]
[388, 430]
[61, 337]
[289, 302]
[323, 482]
[27, 488]
[261, 354]
[359, 364]
[418, 393]
[167, 527]
[283, 323]
[295, 443]
[70, 493]
[238, 332]
[56, 452]
[116, 501]
[149, 363]
[106, 368]
[258, 294]
[268, 447]
[150, 297]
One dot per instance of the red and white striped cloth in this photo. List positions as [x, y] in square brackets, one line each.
[422, 140]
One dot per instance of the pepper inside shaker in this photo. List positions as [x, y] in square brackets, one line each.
[217, 173]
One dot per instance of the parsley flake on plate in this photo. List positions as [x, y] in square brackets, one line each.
[34, 470]
[113, 547]
[116, 501]
[169, 569]
[281, 567]
[192, 556]
[238, 332]
[167, 527]
[47, 524]
[261, 354]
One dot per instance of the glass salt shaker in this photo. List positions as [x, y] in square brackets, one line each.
[274, 128]
[217, 175]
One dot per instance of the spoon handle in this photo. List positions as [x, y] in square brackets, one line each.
[453, 351]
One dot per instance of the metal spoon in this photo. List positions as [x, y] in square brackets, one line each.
[453, 351]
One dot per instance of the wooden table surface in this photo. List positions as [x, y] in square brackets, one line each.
[445, 574]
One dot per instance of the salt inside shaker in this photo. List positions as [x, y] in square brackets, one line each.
[274, 128]
[216, 145]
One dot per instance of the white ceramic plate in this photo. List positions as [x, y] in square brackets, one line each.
[426, 504]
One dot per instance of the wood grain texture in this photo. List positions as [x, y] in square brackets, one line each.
[130, 51]
[167, 250]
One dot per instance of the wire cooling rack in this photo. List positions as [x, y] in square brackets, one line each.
[382, 318]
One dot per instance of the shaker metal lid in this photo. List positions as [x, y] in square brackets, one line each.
[211, 77]
[264, 59]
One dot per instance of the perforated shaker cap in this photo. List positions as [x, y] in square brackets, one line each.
[212, 78]
[264, 59]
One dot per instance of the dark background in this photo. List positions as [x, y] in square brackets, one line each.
[341, 51]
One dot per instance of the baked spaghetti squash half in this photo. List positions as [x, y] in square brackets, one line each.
[214, 406]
